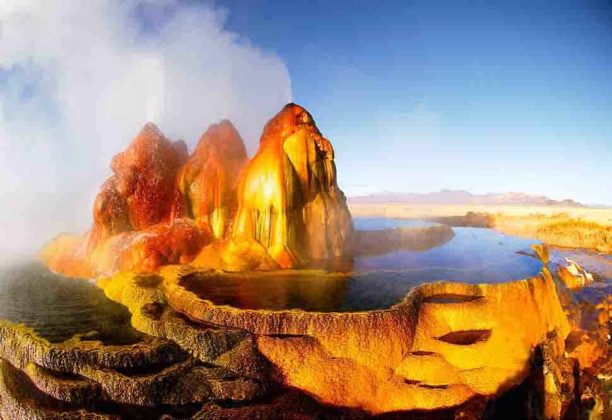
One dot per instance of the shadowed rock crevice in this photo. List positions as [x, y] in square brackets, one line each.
[421, 353]
[465, 338]
[433, 386]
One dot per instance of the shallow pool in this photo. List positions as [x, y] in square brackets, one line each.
[473, 255]
[57, 308]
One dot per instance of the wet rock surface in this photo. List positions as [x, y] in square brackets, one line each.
[206, 184]
[155, 374]
[291, 212]
[140, 192]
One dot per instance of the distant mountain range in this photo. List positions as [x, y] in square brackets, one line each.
[462, 197]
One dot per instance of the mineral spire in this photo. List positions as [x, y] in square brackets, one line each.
[290, 210]
[206, 184]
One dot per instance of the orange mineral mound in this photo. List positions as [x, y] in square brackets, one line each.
[290, 209]
[283, 209]
[140, 192]
[176, 242]
[206, 184]
[133, 228]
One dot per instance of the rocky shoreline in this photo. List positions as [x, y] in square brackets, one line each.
[448, 349]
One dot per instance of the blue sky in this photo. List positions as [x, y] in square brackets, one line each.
[418, 96]
[421, 96]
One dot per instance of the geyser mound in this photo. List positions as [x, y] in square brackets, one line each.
[140, 192]
[283, 209]
[291, 212]
[442, 346]
[206, 183]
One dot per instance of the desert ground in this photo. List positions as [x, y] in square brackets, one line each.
[572, 227]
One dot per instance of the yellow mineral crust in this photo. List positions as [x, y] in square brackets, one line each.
[443, 344]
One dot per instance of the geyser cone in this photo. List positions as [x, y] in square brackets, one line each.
[290, 209]
[283, 209]
[132, 227]
[139, 194]
[206, 184]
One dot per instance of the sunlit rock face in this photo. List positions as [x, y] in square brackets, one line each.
[206, 184]
[290, 210]
[444, 344]
[573, 275]
[139, 194]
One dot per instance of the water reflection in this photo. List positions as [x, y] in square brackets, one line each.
[289, 290]
[473, 255]
[381, 223]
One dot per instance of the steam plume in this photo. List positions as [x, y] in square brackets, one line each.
[79, 78]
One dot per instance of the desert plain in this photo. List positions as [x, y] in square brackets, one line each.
[571, 227]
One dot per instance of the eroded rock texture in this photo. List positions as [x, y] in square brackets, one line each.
[143, 380]
[175, 242]
[574, 276]
[446, 343]
[158, 207]
[132, 227]
[446, 350]
[290, 210]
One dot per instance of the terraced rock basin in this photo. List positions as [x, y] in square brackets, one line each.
[409, 330]
[419, 328]
[66, 351]
[443, 344]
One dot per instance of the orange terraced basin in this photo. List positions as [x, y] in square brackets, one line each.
[443, 344]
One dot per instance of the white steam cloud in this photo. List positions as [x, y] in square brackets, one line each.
[79, 78]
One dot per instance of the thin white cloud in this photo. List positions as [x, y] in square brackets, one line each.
[79, 78]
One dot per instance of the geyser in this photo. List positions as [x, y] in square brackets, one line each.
[168, 228]
[291, 212]
[282, 209]
[79, 79]
[206, 183]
